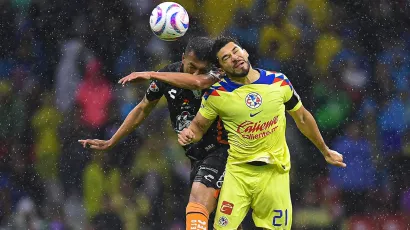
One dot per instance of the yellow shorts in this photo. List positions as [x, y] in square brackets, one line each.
[265, 189]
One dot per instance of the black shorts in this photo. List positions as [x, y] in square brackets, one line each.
[210, 171]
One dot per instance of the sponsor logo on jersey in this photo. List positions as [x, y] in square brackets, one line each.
[226, 207]
[254, 114]
[253, 100]
[209, 177]
[207, 168]
[220, 180]
[223, 221]
[255, 130]
[209, 147]
[185, 105]
[153, 87]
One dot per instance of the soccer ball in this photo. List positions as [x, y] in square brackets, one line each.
[169, 21]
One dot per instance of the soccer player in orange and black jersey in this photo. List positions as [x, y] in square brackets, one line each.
[208, 157]
[183, 104]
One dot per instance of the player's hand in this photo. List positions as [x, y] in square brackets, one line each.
[334, 158]
[135, 77]
[185, 137]
[95, 144]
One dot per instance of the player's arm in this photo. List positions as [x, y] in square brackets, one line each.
[180, 80]
[131, 122]
[201, 123]
[195, 131]
[306, 123]
[186, 80]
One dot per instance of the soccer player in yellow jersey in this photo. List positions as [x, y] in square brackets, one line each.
[252, 103]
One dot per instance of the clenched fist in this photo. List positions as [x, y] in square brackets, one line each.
[334, 158]
[185, 137]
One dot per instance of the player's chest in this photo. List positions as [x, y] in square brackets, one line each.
[257, 101]
[183, 98]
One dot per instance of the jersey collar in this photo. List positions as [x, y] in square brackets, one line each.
[230, 85]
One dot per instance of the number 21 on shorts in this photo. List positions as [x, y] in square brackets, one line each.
[278, 218]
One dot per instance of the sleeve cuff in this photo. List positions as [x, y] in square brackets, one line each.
[296, 107]
[206, 115]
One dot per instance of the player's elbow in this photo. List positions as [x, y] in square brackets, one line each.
[199, 84]
[305, 118]
[302, 118]
[204, 82]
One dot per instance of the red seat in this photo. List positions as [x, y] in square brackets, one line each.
[378, 222]
[361, 223]
[392, 222]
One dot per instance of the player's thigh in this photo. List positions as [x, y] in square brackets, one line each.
[272, 206]
[234, 201]
[208, 178]
[210, 170]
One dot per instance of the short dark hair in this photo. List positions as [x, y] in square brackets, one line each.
[220, 42]
[200, 46]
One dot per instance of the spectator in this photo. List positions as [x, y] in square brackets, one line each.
[99, 179]
[358, 179]
[12, 116]
[47, 142]
[68, 74]
[391, 122]
[5, 199]
[107, 219]
[94, 96]
[73, 158]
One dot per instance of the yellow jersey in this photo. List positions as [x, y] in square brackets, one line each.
[254, 117]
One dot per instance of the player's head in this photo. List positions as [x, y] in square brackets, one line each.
[196, 55]
[230, 57]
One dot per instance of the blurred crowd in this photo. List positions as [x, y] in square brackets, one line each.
[59, 64]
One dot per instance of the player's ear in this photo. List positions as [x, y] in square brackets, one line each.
[183, 58]
[221, 71]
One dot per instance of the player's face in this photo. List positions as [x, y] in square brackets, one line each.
[193, 65]
[234, 60]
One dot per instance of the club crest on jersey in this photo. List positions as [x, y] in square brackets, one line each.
[253, 100]
[223, 221]
[183, 120]
[153, 87]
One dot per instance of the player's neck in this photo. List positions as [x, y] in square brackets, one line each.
[252, 76]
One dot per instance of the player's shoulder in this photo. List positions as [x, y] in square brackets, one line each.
[272, 73]
[173, 67]
[222, 88]
[270, 77]
[214, 90]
